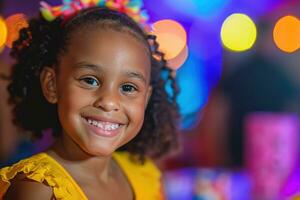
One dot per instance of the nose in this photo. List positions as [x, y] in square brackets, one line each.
[108, 99]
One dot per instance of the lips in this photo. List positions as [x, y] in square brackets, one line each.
[103, 127]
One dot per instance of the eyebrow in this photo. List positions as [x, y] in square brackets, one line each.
[97, 68]
[85, 65]
[137, 75]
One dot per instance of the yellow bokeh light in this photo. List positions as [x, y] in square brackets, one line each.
[2, 48]
[3, 32]
[171, 37]
[286, 34]
[238, 32]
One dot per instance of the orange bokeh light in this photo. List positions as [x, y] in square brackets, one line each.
[179, 60]
[14, 24]
[286, 34]
[171, 37]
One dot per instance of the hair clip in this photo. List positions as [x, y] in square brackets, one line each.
[69, 7]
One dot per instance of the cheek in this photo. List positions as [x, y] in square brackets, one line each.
[136, 111]
[69, 104]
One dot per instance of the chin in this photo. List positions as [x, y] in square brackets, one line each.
[101, 151]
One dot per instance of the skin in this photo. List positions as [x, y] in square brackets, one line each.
[8, 131]
[103, 75]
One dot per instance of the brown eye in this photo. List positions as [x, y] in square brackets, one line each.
[90, 81]
[127, 88]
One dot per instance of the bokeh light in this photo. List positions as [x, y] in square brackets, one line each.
[179, 60]
[193, 86]
[238, 32]
[205, 44]
[2, 48]
[3, 32]
[204, 39]
[188, 10]
[204, 9]
[14, 24]
[171, 37]
[286, 33]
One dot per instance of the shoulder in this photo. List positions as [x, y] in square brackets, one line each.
[25, 189]
[26, 179]
[32, 165]
[43, 177]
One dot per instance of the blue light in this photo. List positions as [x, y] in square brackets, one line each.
[193, 90]
[206, 45]
[204, 39]
[204, 9]
[193, 87]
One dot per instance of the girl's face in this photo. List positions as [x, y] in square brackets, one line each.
[101, 88]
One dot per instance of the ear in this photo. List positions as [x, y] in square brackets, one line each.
[48, 84]
[148, 95]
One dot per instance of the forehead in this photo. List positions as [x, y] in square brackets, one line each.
[108, 47]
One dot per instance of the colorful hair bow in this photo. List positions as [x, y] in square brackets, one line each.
[130, 7]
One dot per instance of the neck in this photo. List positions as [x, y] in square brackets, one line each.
[75, 159]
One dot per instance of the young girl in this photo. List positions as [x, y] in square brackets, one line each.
[95, 78]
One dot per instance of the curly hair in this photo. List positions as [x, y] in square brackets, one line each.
[42, 43]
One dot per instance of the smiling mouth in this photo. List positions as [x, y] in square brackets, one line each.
[105, 126]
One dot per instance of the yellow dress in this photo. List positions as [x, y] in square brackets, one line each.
[144, 179]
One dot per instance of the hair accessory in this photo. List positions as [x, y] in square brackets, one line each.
[133, 8]
[69, 7]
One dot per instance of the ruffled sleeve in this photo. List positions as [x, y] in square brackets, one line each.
[43, 169]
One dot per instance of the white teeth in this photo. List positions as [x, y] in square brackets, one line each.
[103, 125]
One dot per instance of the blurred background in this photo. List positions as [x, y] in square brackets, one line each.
[237, 67]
